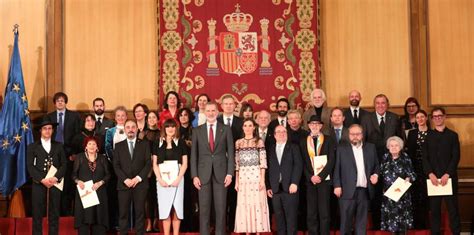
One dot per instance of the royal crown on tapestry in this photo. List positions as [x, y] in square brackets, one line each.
[257, 51]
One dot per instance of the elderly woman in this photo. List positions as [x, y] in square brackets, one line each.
[90, 165]
[397, 217]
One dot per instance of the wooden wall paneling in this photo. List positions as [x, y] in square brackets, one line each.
[54, 46]
[366, 46]
[464, 126]
[110, 50]
[31, 17]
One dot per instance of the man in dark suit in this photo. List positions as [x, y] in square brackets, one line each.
[378, 127]
[102, 123]
[318, 177]
[355, 173]
[354, 114]
[41, 155]
[132, 163]
[263, 130]
[441, 155]
[339, 133]
[282, 107]
[212, 168]
[69, 123]
[284, 172]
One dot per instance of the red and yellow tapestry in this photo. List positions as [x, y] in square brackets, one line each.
[255, 50]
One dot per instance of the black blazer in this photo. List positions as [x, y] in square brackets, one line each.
[237, 123]
[373, 134]
[441, 153]
[291, 167]
[106, 124]
[72, 126]
[274, 123]
[349, 119]
[126, 168]
[345, 170]
[37, 160]
[269, 139]
[326, 149]
[411, 143]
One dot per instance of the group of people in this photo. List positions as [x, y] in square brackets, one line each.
[318, 168]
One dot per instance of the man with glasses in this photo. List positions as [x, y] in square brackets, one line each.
[355, 174]
[441, 154]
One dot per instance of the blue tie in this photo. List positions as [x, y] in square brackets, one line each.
[60, 129]
[338, 135]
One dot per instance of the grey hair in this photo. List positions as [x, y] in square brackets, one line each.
[396, 139]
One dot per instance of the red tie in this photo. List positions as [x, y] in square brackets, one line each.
[211, 138]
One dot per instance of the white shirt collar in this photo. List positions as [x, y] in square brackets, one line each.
[162, 141]
[354, 108]
[99, 116]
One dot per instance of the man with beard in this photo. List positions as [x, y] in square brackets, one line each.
[318, 107]
[102, 123]
[354, 114]
[282, 107]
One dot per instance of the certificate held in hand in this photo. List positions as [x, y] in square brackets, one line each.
[52, 171]
[88, 196]
[398, 188]
[439, 190]
[319, 162]
[169, 171]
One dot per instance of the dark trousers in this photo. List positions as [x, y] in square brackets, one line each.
[212, 191]
[358, 206]
[231, 206]
[318, 207]
[94, 229]
[285, 207]
[376, 206]
[112, 199]
[453, 211]
[38, 203]
[68, 193]
[125, 197]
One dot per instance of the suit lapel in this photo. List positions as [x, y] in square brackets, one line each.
[219, 130]
[206, 136]
[375, 122]
[366, 162]
[352, 157]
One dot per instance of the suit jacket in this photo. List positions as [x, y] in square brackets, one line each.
[349, 119]
[220, 161]
[37, 160]
[290, 169]
[274, 123]
[325, 117]
[373, 134]
[326, 149]
[106, 124]
[345, 170]
[72, 126]
[269, 139]
[441, 154]
[127, 168]
[237, 123]
[344, 135]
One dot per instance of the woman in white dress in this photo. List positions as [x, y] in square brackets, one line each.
[170, 151]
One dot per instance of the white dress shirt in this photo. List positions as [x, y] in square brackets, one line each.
[46, 144]
[226, 120]
[359, 159]
[379, 117]
[213, 130]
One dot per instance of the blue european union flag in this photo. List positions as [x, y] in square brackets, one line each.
[15, 127]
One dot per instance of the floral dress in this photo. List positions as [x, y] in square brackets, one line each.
[396, 216]
[252, 208]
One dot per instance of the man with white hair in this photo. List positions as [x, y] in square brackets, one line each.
[318, 107]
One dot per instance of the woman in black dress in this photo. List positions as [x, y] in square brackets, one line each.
[152, 134]
[87, 130]
[90, 165]
[190, 222]
[408, 121]
[415, 141]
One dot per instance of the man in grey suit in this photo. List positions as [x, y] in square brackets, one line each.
[355, 173]
[212, 168]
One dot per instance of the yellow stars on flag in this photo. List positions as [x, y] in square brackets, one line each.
[16, 87]
[24, 125]
[17, 138]
[5, 144]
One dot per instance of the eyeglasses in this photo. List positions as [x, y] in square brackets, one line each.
[438, 116]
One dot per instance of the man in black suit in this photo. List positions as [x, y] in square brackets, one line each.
[212, 168]
[263, 130]
[69, 123]
[378, 127]
[354, 114]
[41, 155]
[102, 123]
[441, 154]
[235, 123]
[339, 133]
[284, 172]
[355, 173]
[282, 107]
[132, 163]
[318, 177]
[295, 129]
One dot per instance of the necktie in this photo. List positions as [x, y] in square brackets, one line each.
[98, 123]
[356, 117]
[130, 148]
[338, 135]
[60, 129]
[279, 153]
[282, 122]
[263, 135]
[211, 137]
[228, 122]
[382, 126]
